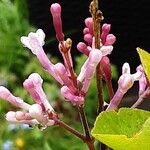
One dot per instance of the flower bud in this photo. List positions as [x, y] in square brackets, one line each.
[110, 39]
[56, 14]
[88, 38]
[76, 100]
[82, 47]
[16, 101]
[89, 24]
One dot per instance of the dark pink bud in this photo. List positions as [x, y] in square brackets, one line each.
[56, 14]
[86, 31]
[106, 27]
[110, 39]
[82, 47]
[88, 38]
[89, 24]
[105, 32]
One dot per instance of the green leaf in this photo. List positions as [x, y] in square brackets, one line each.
[128, 129]
[145, 59]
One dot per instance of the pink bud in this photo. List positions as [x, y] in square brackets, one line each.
[16, 101]
[110, 39]
[82, 47]
[22, 116]
[62, 72]
[88, 38]
[86, 31]
[76, 100]
[56, 14]
[89, 24]
[34, 86]
[36, 112]
[11, 117]
[127, 79]
[125, 82]
[106, 28]
[33, 80]
[105, 32]
[90, 64]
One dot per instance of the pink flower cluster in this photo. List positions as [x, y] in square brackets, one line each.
[73, 87]
[38, 113]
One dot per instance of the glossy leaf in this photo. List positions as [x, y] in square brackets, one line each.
[128, 129]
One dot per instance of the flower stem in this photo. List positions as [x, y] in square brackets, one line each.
[71, 130]
[110, 88]
[99, 89]
[97, 18]
[89, 139]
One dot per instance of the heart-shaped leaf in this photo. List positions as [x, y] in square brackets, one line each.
[145, 59]
[128, 129]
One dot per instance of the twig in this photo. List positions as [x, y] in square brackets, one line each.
[71, 130]
[110, 89]
[97, 17]
[89, 139]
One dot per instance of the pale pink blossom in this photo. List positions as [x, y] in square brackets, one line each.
[34, 86]
[11, 117]
[125, 82]
[5, 94]
[62, 72]
[35, 41]
[37, 113]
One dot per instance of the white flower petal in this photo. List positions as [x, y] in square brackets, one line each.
[25, 41]
[125, 68]
[41, 36]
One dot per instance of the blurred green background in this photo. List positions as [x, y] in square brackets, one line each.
[16, 64]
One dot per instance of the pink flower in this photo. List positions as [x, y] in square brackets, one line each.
[88, 69]
[35, 41]
[125, 82]
[16, 101]
[62, 72]
[34, 86]
[75, 99]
